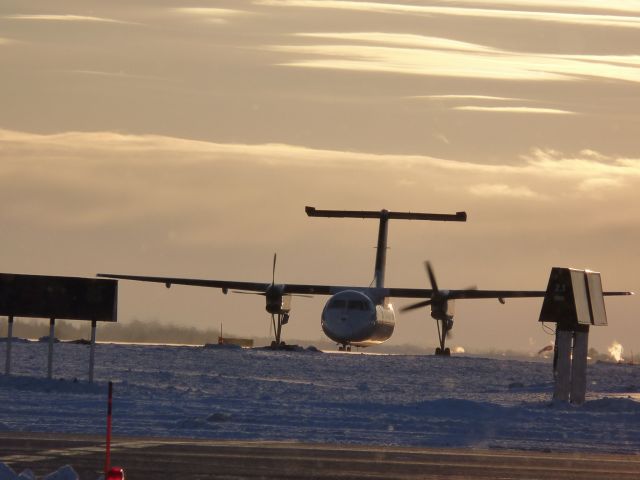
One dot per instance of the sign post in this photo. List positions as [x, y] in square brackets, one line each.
[7, 365]
[92, 351]
[573, 301]
[52, 335]
[54, 297]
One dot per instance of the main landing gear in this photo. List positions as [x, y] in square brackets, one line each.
[345, 347]
[444, 327]
[278, 320]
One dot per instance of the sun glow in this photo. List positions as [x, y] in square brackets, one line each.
[615, 350]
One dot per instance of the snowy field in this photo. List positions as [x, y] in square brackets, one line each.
[166, 391]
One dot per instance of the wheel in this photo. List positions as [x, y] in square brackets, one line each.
[447, 352]
[273, 344]
[438, 351]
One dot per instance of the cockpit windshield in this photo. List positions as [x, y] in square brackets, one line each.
[337, 304]
[357, 305]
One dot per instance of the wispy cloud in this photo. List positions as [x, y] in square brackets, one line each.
[424, 55]
[120, 75]
[410, 61]
[543, 163]
[492, 108]
[526, 110]
[93, 179]
[578, 5]
[62, 18]
[502, 190]
[466, 97]
[211, 14]
[403, 39]
[598, 184]
[587, 19]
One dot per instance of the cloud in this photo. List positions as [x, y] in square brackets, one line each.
[525, 110]
[410, 61]
[211, 14]
[495, 109]
[616, 5]
[181, 151]
[62, 18]
[590, 19]
[466, 97]
[191, 192]
[596, 184]
[586, 165]
[408, 40]
[434, 56]
[502, 190]
[119, 75]
[85, 148]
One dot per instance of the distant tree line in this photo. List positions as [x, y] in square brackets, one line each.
[149, 331]
[134, 331]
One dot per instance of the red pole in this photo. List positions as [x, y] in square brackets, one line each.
[107, 463]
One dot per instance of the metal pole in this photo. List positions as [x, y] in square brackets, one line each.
[52, 332]
[579, 366]
[92, 349]
[562, 373]
[107, 460]
[7, 367]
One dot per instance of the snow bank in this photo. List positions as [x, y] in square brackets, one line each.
[303, 396]
[64, 473]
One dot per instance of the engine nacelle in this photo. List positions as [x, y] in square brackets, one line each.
[277, 302]
[444, 311]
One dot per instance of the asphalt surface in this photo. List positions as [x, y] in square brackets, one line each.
[183, 459]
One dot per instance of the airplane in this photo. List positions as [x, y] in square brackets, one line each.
[353, 315]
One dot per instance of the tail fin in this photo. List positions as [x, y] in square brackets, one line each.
[385, 216]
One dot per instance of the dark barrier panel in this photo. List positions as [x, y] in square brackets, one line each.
[69, 298]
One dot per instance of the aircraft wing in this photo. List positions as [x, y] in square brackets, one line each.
[477, 294]
[469, 293]
[225, 285]
[168, 281]
[311, 289]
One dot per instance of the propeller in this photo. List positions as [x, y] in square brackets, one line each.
[273, 281]
[441, 305]
[442, 309]
[438, 298]
[273, 272]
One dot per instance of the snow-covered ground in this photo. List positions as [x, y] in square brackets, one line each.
[407, 400]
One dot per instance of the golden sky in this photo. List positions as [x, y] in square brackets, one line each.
[150, 137]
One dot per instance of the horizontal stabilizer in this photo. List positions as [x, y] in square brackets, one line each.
[457, 217]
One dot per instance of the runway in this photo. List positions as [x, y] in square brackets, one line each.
[184, 459]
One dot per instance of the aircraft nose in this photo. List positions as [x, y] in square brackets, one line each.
[344, 327]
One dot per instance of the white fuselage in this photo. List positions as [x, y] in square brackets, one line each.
[352, 317]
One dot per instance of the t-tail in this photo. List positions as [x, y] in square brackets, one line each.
[384, 216]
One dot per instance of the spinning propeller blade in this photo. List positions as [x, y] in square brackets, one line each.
[436, 296]
[414, 306]
[432, 277]
[273, 276]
